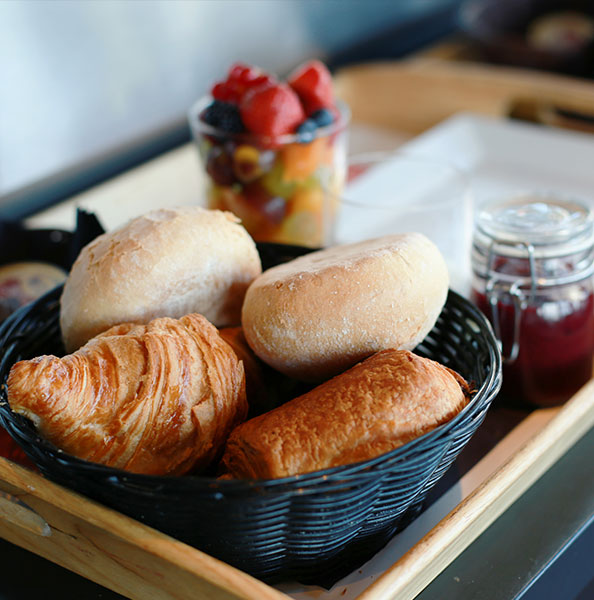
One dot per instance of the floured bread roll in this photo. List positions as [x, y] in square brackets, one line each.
[384, 402]
[167, 263]
[158, 399]
[319, 314]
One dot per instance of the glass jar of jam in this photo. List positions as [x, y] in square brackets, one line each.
[532, 263]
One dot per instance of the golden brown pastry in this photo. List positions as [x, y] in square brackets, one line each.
[255, 385]
[158, 399]
[377, 405]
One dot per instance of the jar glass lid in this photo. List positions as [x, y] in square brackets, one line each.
[553, 226]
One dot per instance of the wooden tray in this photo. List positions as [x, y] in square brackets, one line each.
[138, 562]
[413, 95]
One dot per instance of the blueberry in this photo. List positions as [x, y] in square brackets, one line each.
[322, 117]
[223, 116]
[306, 131]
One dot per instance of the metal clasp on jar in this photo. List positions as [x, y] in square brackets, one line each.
[496, 289]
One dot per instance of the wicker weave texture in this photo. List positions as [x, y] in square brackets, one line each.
[314, 528]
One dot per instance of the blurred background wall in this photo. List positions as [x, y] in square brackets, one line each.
[80, 79]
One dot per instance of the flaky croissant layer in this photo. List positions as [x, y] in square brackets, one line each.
[157, 399]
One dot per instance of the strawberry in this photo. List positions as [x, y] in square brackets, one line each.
[313, 84]
[271, 110]
[241, 72]
[245, 74]
[222, 92]
[240, 79]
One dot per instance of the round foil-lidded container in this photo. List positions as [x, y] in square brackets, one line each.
[532, 262]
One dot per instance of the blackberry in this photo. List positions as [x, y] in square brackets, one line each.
[223, 116]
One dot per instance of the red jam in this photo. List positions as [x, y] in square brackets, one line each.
[556, 347]
[533, 266]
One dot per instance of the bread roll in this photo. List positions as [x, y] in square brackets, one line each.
[319, 314]
[158, 399]
[376, 406]
[166, 263]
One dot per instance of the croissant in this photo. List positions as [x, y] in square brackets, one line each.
[158, 399]
[379, 404]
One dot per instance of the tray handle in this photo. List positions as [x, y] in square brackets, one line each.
[552, 114]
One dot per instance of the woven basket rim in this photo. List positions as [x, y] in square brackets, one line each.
[342, 474]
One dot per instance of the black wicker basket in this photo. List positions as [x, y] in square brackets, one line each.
[314, 528]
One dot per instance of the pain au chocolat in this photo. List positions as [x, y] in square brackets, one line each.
[379, 404]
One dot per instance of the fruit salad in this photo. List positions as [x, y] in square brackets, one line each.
[274, 151]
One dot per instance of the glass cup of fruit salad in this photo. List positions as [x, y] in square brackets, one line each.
[272, 149]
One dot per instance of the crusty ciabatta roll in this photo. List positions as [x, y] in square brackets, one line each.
[380, 404]
[319, 314]
[166, 263]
